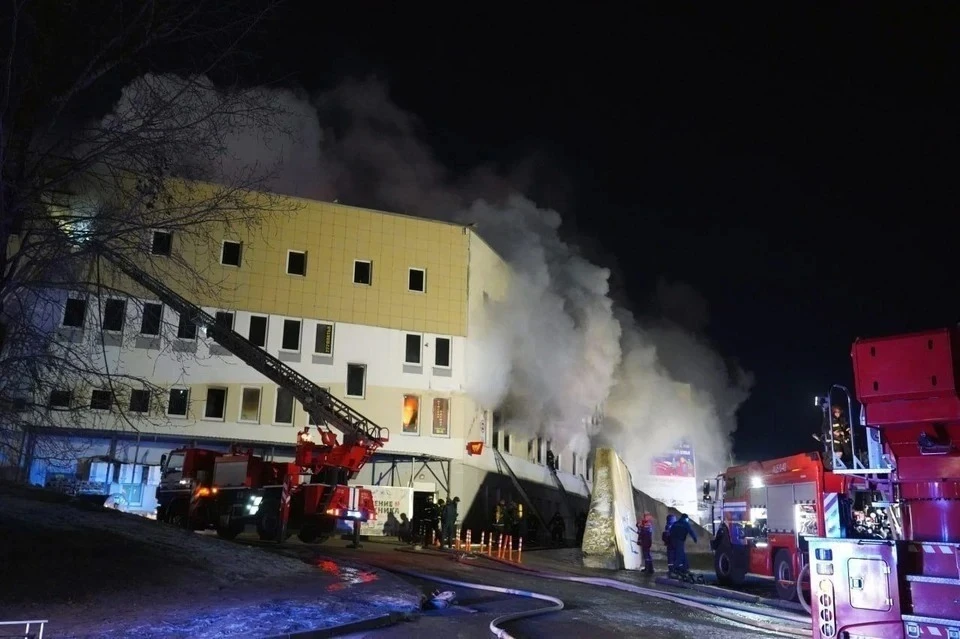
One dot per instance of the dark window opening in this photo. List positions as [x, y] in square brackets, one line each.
[152, 316]
[185, 328]
[362, 272]
[230, 254]
[216, 403]
[442, 352]
[284, 411]
[60, 399]
[75, 313]
[291, 335]
[412, 353]
[258, 330]
[296, 263]
[225, 320]
[178, 402]
[139, 401]
[356, 380]
[415, 280]
[101, 400]
[114, 314]
[162, 243]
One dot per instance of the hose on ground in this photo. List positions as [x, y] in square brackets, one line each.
[495, 629]
[699, 603]
[803, 602]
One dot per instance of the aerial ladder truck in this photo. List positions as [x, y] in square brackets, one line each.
[308, 495]
[907, 586]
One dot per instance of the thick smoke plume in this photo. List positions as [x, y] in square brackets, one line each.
[556, 348]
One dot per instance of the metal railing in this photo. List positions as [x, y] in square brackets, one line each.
[27, 632]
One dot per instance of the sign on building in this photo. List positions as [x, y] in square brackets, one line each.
[390, 502]
[672, 479]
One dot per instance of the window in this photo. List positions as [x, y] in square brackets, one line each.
[573, 463]
[139, 401]
[216, 404]
[412, 350]
[224, 320]
[417, 280]
[411, 415]
[162, 243]
[152, 316]
[230, 253]
[114, 314]
[250, 405]
[283, 413]
[324, 342]
[179, 398]
[60, 399]
[101, 400]
[291, 335]
[362, 272]
[441, 356]
[539, 450]
[506, 442]
[356, 380]
[185, 328]
[258, 330]
[75, 313]
[296, 263]
[441, 416]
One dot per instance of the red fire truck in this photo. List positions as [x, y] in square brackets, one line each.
[185, 474]
[309, 494]
[908, 586]
[764, 513]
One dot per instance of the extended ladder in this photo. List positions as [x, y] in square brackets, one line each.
[322, 407]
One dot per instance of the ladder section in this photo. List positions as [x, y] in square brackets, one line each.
[563, 492]
[322, 407]
[501, 464]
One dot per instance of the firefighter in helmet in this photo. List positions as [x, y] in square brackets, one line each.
[840, 433]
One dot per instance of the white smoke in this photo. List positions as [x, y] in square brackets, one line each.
[557, 347]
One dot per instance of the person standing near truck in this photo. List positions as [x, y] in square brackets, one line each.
[668, 542]
[679, 532]
[645, 541]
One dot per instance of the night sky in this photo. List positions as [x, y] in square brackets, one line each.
[799, 170]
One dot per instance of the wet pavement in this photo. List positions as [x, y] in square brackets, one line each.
[590, 611]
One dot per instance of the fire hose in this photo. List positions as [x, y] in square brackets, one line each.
[698, 603]
[495, 629]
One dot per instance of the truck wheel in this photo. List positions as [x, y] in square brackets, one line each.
[268, 525]
[726, 564]
[783, 574]
[229, 532]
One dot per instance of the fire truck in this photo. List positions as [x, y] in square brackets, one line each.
[763, 514]
[907, 586]
[308, 495]
[186, 476]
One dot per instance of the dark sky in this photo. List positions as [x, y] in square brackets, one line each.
[798, 169]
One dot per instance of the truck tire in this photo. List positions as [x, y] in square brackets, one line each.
[729, 564]
[230, 531]
[268, 526]
[785, 580]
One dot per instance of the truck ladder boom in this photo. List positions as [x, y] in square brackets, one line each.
[319, 404]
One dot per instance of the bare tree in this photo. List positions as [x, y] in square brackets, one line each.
[112, 134]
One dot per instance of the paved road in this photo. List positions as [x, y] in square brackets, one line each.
[590, 611]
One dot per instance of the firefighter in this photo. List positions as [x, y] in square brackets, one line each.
[499, 517]
[557, 529]
[645, 541]
[450, 521]
[436, 521]
[840, 433]
[428, 515]
[668, 542]
[679, 532]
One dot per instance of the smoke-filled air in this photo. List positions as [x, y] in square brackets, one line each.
[557, 348]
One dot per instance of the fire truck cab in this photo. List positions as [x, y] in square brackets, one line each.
[764, 512]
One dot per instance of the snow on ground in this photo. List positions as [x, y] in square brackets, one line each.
[101, 573]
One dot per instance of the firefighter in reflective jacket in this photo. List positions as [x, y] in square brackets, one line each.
[645, 541]
[840, 431]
